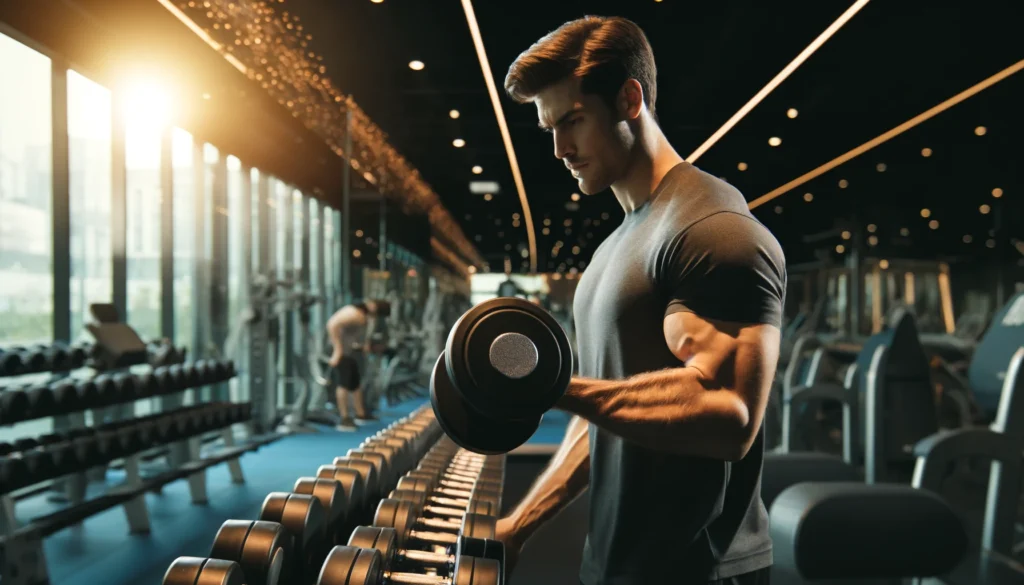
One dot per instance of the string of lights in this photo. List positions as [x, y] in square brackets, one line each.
[272, 49]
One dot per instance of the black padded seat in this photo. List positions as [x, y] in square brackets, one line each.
[858, 531]
[783, 470]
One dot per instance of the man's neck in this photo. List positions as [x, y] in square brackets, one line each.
[652, 158]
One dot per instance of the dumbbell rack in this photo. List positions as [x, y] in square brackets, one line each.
[393, 455]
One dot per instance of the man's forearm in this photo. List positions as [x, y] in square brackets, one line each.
[672, 410]
[564, 478]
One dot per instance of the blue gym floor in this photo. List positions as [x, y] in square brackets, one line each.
[102, 551]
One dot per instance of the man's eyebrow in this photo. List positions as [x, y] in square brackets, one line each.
[561, 119]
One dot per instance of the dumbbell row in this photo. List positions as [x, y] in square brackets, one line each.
[30, 461]
[309, 517]
[30, 402]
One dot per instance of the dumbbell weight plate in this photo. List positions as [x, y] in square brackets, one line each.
[508, 358]
[261, 549]
[471, 430]
[384, 540]
[198, 571]
[474, 571]
[348, 565]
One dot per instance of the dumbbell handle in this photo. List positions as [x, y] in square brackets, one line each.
[415, 579]
[450, 502]
[453, 493]
[444, 511]
[435, 537]
[457, 485]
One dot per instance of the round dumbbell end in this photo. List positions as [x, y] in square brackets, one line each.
[513, 355]
[347, 565]
[383, 539]
[475, 571]
[478, 526]
[471, 430]
[397, 514]
[199, 571]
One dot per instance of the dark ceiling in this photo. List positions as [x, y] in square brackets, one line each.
[891, 62]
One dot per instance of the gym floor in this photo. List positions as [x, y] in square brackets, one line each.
[98, 552]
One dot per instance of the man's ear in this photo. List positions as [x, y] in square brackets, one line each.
[630, 100]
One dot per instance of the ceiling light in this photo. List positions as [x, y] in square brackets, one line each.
[991, 243]
[567, 223]
[378, 2]
[792, 113]
[926, 213]
[980, 131]
[453, 114]
[575, 196]
[840, 248]
[880, 167]
[984, 209]
[884, 264]
[515, 216]
[926, 152]
[546, 231]
[515, 223]
[846, 235]
[556, 276]
[547, 221]
[458, 143]
[904, 232]
[843, 183]
[742, 166]
[872, 228]
[778, 209]
[774, 141]
[968, 239]
[873, 240]
[997, 192]
[604, 215]
[934, 224]
[478, 169]
[359, 233]
[472, 269]
[416, 65]
[808, 197]
[488, 197]
[356, 253]
[576, 250]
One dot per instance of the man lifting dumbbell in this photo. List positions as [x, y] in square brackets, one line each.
[678, 320]
[351, 329]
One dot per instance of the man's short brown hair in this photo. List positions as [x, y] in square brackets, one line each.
[602, 51]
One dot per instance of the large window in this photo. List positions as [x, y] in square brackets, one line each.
[184, 234]
[282, 225]
[238, 263]
[143, 193]
[26, 191]
[89, 146]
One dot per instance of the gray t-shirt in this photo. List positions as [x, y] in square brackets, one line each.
[658, 517]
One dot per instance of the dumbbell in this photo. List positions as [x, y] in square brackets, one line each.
[403, 458]
[332, 498]
[355, 492]
[371, 479]
[263, 551]
[407, 519]
[305, 519]
[347, 565]
[395, 558]
[442, 507]
[506, 362]
[474, 501]
[381, 458]
[200, 571]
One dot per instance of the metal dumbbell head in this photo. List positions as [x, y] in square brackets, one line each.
[508, 359]
[199, 571]
[261, 549]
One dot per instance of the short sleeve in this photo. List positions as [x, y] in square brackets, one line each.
[726, 267]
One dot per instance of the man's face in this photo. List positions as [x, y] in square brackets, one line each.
[589, 137]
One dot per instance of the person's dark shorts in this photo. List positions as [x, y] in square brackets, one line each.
[346, 373]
